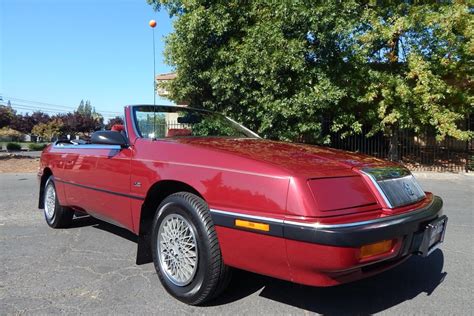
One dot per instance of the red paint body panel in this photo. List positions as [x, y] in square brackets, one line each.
[254, 252]
[314, 264]
[263, 178]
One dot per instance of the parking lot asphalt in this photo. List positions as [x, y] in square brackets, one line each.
[90, 268]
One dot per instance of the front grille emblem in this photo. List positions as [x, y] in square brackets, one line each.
[397, 185]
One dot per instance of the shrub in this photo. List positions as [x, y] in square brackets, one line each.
[36, 147]
[13, 146]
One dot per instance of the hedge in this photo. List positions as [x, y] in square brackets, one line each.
[13, 146]
[37, 147]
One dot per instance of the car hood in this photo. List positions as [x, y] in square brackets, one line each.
[296, 158]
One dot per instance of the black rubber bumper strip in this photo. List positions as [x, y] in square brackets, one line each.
[342, 235]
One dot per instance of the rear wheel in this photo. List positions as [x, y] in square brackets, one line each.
[56, 215]
[186, 251]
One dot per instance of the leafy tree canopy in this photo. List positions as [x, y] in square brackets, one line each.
[7, 114]
[48, 130]
[281, 67]
[84, 120]
[85, 108]
[24, 123]
[11, 133]
[79, 123]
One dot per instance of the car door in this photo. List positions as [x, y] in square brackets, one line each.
[99, 182]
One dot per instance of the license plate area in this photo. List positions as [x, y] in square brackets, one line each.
[433, 236]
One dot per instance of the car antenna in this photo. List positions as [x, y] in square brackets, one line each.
[152, 24]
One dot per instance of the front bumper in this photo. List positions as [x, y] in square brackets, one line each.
[330, 255]
[361, 233]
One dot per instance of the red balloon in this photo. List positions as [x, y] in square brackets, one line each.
[152, 23]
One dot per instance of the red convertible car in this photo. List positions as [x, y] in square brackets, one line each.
[204, 194]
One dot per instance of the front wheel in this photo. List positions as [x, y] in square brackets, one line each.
[56, 215]
[186, 251]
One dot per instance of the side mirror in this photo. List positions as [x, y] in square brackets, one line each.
[109, 138]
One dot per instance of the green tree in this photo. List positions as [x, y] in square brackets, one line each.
[86, 109]
[80, 107]
[281, 67]
[85, 119]
[7, 115]
[7, 132]
[96, 115]
[48, 130]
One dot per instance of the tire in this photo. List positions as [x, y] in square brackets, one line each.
[55, 215]
[186, 251]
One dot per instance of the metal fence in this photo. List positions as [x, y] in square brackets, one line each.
[418, 151]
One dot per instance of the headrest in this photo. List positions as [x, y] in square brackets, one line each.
[117, 128]
[172, 132]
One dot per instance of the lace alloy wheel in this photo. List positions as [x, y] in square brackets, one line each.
[178, 249]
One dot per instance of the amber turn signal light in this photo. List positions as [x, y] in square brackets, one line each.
[375, 249]
[252, 225]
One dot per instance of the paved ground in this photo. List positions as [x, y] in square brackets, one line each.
[33, 154]
[90, 269]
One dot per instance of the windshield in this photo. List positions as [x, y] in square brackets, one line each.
[173, 121]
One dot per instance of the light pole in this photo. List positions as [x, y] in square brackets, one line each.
[152, 24]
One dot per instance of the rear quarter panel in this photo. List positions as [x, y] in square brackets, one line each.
[53, 160]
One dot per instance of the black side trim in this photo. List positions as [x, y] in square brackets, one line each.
[101, 190]
[353, 235]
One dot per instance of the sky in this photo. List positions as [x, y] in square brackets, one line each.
[53, 53]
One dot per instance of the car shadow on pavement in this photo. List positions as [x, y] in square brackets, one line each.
[414, 277]
[86, 220]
